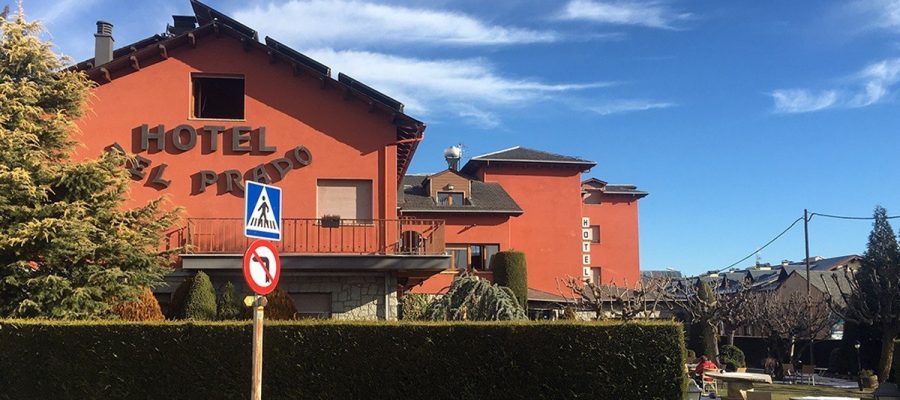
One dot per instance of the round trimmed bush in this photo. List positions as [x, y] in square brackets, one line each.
[732, 358]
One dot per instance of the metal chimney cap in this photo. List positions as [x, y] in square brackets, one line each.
[104, 27]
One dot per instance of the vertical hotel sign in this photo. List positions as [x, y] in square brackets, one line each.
[586, 237]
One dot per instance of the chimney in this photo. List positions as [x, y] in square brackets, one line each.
[103, 45]
[452, 154]
[183, 23]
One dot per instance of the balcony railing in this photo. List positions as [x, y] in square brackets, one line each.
[310, 235]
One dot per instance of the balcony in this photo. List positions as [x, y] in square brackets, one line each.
[315, 236]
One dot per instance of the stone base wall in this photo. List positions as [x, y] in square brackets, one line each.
[352, 297]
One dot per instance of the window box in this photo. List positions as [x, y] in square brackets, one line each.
[331, 221]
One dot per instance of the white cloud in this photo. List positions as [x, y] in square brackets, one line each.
[651, 14]
[61, 9]
[341, 23]
[801, 100]
[882, 14]
[463, 87]
[867, 87]
[625, 106]
[478, 116]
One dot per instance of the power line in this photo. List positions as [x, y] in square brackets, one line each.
[765, 245]
[811, 215]
[846, 217]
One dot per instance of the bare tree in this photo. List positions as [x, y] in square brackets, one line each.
[792, 317]
[713, 308]
[619, 302]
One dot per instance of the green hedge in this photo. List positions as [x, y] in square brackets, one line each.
[510, 271]
[330, 360]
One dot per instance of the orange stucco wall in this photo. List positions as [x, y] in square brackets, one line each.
[618, 253]
[549, 230]
[464, 230]
[345, 140]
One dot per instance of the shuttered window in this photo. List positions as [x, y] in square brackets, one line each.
[348, 199]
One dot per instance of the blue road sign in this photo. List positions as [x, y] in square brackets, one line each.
[262, 211]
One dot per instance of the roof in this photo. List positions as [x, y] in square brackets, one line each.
[672, 274]
[624, 189]
[542, 296]
[212, 23]
[597, 185]
[521, 154]
[485, 197]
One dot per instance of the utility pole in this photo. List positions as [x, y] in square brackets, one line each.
[806, 240]
[812, 355]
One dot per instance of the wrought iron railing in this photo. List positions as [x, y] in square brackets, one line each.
[314, 235]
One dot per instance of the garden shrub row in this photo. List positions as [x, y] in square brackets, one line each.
[332, 360]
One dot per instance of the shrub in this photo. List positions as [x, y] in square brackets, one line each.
[732, 358]
[179, 298]
[144, 308]
[281, 306]
[691, 356]
[413, 305]
[471, 298]
[201, 299]
[330, 360]
[228, 305]
[510, 271]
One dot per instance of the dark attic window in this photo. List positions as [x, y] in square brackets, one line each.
[218, 97]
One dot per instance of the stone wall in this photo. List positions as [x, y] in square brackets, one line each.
[353, 296]
[358, 297]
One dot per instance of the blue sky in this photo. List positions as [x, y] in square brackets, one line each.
[735, 116]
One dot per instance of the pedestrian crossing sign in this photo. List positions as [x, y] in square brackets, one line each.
[262, 211]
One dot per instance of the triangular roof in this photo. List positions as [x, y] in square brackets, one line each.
[212, 23]
[519, 154]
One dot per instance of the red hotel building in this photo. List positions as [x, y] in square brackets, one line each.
[207, 105]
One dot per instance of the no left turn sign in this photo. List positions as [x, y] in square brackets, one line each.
[262, 267]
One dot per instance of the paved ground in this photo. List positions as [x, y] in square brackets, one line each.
[824, 387]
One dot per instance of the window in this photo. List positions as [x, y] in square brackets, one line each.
[595, 233]
[218, 97]
[458, 258]
[312, 305]
[348, 199]
[450, 199]
[474, 256]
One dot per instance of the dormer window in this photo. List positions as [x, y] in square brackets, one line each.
[450, 199]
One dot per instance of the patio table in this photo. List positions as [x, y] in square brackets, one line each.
[739, 382]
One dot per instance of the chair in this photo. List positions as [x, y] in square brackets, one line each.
[759, 395]
[710, 382]
[809, 372]
[789, 373]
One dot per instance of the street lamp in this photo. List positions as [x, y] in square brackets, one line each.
[859, 379]
[887, 391]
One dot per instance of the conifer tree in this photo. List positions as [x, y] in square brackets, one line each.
[228, 306]
[471, 298]
[145, 308]
[873, 296]
[201, 299]
[68, 247]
